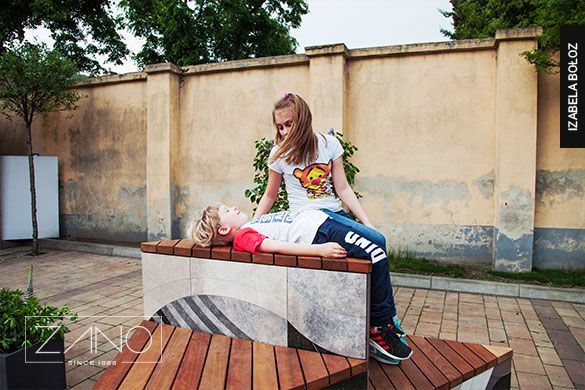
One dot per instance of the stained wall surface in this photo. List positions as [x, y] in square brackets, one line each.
[458, 143]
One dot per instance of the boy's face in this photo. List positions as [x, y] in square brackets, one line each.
[231, 217]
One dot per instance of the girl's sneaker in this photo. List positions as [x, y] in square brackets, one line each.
[374, 354]
[387, 342]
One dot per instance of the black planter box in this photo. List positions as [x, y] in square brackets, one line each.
[39, 371]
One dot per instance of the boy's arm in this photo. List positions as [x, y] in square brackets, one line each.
[328, 249]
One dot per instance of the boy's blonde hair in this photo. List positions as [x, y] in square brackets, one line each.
[204, 231]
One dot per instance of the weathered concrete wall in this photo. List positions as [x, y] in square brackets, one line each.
[458, 147]
[102, 149]
[559, 224]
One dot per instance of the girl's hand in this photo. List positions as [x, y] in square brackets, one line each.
[332, 250]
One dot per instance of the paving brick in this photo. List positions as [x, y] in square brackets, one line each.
[528, 364]
[576, 371]
[512, 316]
[81, 373]
[558, 376]
[549, 356]
[427, 329]
[522, 346]
[517, 330]
[532, 381]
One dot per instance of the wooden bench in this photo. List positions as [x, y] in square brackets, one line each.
[181, 358]
[194, 359]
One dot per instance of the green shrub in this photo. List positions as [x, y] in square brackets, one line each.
[13, 310]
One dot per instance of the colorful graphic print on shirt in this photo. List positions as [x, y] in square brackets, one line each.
[316, 180]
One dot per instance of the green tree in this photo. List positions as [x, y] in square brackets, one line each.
[481, 19]
[193, 32]
[34, 80]
[81, 28]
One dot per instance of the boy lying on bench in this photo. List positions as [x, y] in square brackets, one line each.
[313, 233]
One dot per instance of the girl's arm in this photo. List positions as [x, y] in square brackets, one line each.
[346, 194]
[271, 193]
[328, 249]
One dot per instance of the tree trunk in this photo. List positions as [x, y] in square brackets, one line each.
[33, 192]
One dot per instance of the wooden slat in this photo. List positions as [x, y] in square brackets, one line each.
[149, 247]
[359, 265]
[221, 252]
[240, 365]
[200, 252]
[309, 262]
[264, 367]
[378, 377]
[489, 358]
[457, 361]
[164, 372]
[245, 257]
[428, 368]
[166, 247]
[115, 374]
[148, 360]
[335, 264]
[263, 258]
[191, 367]
[438, 360]
[214, 372]
[337, 366]
[397, 376]
[285, 260]
[290, 375]
[183, 248]
[502, 353]
[415, 375]
[474, 361]
[314, 369]
[357, 366]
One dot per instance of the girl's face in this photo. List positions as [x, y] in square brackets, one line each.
[284, 120]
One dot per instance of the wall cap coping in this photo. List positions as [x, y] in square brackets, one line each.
[518, 33]
[112, 79]
[327, 50]
[251, 63]
[162, 68]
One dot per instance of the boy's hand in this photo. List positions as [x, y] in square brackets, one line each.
[332, 250]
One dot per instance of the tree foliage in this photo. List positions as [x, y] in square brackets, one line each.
[34, 80]
[187, 32]
[81, 28]
[481, 19]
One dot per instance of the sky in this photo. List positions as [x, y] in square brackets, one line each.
[357, 23]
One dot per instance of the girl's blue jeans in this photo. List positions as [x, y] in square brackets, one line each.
[346, 232]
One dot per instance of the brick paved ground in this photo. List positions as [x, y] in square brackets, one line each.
[548, 338]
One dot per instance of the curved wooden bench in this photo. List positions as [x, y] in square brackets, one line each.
[182, 358]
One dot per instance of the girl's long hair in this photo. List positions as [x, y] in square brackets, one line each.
[300, 145]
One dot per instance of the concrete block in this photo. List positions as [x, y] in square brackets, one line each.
[554, 294]
[414, 281]
[474, 286]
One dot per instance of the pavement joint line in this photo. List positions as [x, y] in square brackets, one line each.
[473, 286]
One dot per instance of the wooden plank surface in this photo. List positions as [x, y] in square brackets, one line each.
[240, 365]
[474, 361]
[214, 372]
[221, 252]
[164, 372]
[452, 357]
[357, 366]
[290, 375]
[166, 247]
[397, 377]
[316, 375]
[415, 375]
[489, 358]
[285, 260]
[264, 367]
[432, 373]
[115, 374]
[359, 265]
[378, 378]
[145, 364]
[149, 247]
[245, 257]
[335, 264]
[502, 353]
[200, 252]
[263, 258]
[183, 248]
[337, 367]
[189, 374]
[438, 360]
[309, 262]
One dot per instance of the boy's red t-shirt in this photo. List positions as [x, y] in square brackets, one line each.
[248, 240]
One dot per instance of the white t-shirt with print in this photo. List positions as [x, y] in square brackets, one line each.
[309, 186]
[289, 226]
